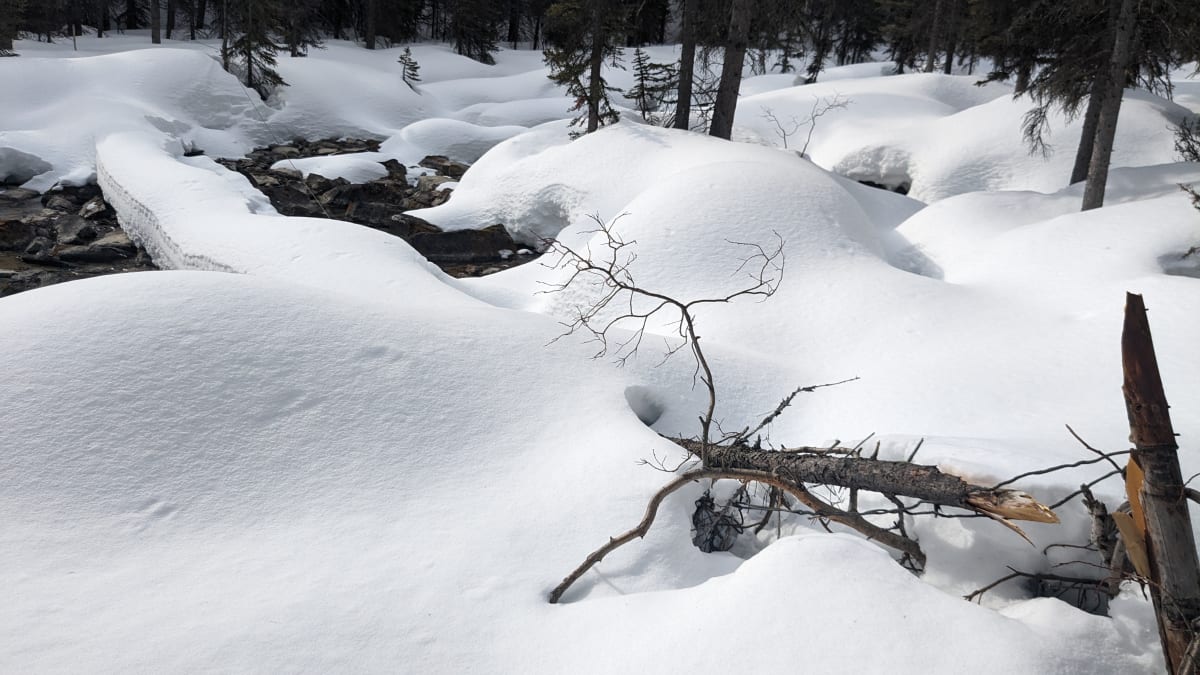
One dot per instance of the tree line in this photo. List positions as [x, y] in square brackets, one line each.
[1070, 56]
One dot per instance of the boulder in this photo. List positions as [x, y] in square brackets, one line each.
[95, 207]
[444, 166]
[396, 170]
[284, 151]
[74, 230]
[318, 183]
[111, 248]
[15, 235]
[59, 203]
[16, 194]
[463, 246]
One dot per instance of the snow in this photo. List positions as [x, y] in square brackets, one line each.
[305, 448]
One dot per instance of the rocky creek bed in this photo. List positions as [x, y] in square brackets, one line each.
[72, 233]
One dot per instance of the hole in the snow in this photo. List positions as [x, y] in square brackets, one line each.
[643, 404]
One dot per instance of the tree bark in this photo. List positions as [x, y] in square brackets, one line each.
[1087, 138]
[1170, 543]
[370, 20]
[899, 479]
[131, 12]
[172, 11]
[595, 83]
[1110, 109]
[725, 106]
[687, 65]
[155, 22]
[934, 29]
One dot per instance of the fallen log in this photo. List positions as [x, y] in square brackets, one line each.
[898, 479]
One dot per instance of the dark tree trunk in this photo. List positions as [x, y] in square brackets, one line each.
[687, 65]
[372, 9]
[1170, 543]
[725, 106]
[1087, 139]
[934, 29]
[951, 38]
[155, 22]
[595, 85]
[172, 11]
[131, 14]
[198, 16]
[105, 24]
[1110, 109]
[514, 22]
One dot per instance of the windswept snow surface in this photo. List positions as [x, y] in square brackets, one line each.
[306, 449]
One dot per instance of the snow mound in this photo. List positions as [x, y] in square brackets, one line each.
[181, 92]
[460, 141]
[538, 183]
[359, 167]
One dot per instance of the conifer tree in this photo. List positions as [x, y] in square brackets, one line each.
[475, 27]
[411, 72]
[10, 17]
[582, 36]
[652, 84]
[300, 27]
[249, 48]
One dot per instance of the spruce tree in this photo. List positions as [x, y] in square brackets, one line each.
[653, 83]
[475, 28]
[582, 36]
[10, 17]
[411, 72]
[250, 47]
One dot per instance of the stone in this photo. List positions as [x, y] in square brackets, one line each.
[111, 248]
[59, 203]
[463, 246]
[265, 180]
[430, 183]
[396, 170]
[284, 151]
[318, 183]
[6, 274]
[75, 230]
[289, 173]
[38, 247]
[444, 166]
[95, 207]
[16, 194]
[15, 235]
[411, 225]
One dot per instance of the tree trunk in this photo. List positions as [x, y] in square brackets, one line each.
[951, 38]
[155, 22]
[687, 65]
[1087, 138]
[198, 17]
[725, 106]
[1110, 109]
[934, 29]
[595, 84]
[1170, 544]
[370, 21]
[172, 11]
[131, 12]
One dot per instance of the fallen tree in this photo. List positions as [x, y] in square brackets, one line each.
[732, 456]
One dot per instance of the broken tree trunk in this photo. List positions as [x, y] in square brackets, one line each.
[1167, 527]
[898, 479]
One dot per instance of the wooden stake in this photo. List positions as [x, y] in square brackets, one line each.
[1170, 544]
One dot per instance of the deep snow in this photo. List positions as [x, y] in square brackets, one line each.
[310, 450]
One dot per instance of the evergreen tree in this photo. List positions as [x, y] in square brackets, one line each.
[300, 27]
[11, 12]
[582, 37]
[249, 48]
[411, 73]
[475, 28]
[652, 84]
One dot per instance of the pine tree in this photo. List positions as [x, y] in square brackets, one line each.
[475, 27]
[10, 17]
[411, 73]
[652, 84]
[582, 36]
[300, 28]
[250, 46]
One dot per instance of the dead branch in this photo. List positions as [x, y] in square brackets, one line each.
[821, 509]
